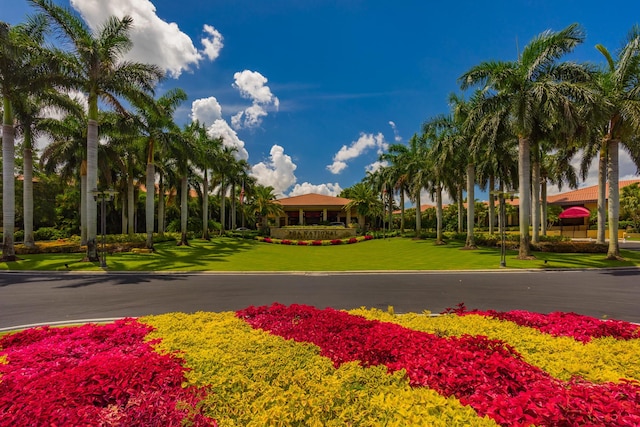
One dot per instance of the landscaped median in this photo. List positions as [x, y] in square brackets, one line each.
[299, 365]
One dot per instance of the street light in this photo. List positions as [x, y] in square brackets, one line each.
[503, 219]
[103, 196]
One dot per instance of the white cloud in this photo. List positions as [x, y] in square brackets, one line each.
[206, 110]
[356, 149]
[375, 166]
[277, 171]
[252, 85]
[209, 113]
[336, 167]
[251, 117]
[329, 189]
[221, 129]
[212, 45]
[155, 41]
[396, 136]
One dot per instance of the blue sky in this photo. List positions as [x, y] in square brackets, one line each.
[312, 91]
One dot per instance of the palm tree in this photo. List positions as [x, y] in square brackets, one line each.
[364, 199]
[25, 68]
[443, 158]
[263, 203]
[619, 87]
[155, 122]
[537, 91]
[206, 150]
[396, 155]
[96, 68]
[224, 168]
[28, 111]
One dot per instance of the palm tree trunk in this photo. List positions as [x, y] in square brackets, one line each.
[184, 212]
[460, 208]
[602, 195]
[418, 215]
[83, 203]
[439, 215]
[205, 206]
[233, 207]
[613, 200]
[151, 185]
[130, 206]
[524, 183]
[401, 210]
[92, 184]
[222, 205]
[161, 205]
[535, 200]
[27, 193]
[390, 210]
[543, 196]
[9, 185]
[471, 182]
[492, 206]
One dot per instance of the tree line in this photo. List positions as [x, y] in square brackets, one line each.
[516, 131]
[124, 135]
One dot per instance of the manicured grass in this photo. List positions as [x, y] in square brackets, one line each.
[226, 254]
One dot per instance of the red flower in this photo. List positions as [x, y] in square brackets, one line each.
[486, 374]
[93, 375]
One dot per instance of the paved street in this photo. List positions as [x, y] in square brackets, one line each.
[32, 298]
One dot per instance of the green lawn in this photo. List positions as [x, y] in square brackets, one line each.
[226, 254]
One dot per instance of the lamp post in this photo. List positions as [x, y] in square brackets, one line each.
[105, 195]
[503, 219]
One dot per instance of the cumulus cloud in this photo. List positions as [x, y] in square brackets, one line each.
[221, 129]
[396, 136]
[375, 166]
[155, 41]
[356, 149]
[252, 85]
[206, 110]
[329, 189]
[277, 171]
[212, 45]
[209, 112]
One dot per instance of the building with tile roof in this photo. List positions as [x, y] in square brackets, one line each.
[586, 197]
[313, 209]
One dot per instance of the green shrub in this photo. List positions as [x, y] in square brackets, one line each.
[50, 233]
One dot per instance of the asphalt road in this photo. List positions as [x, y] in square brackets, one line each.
[36, 298]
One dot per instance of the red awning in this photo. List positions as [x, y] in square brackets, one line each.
[575, 212]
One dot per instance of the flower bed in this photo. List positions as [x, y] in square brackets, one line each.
[93, 375]
[346, 241]
[298, 365]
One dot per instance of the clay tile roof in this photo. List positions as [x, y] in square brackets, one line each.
[583, 195]
[313, 199]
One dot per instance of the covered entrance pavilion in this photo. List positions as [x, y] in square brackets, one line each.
[314, 209]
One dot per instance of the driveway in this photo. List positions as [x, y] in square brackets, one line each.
[34, 298]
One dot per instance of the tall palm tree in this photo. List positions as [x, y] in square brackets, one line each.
[25, 68]
[398, 175]
[620, 89]
[444, 158]
[533, 89]
[155, 122]
[206, 150]
[414, 172]
[28, 112]
[224, 167]
[97, 68]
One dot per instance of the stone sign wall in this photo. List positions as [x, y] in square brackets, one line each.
[312, 233]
